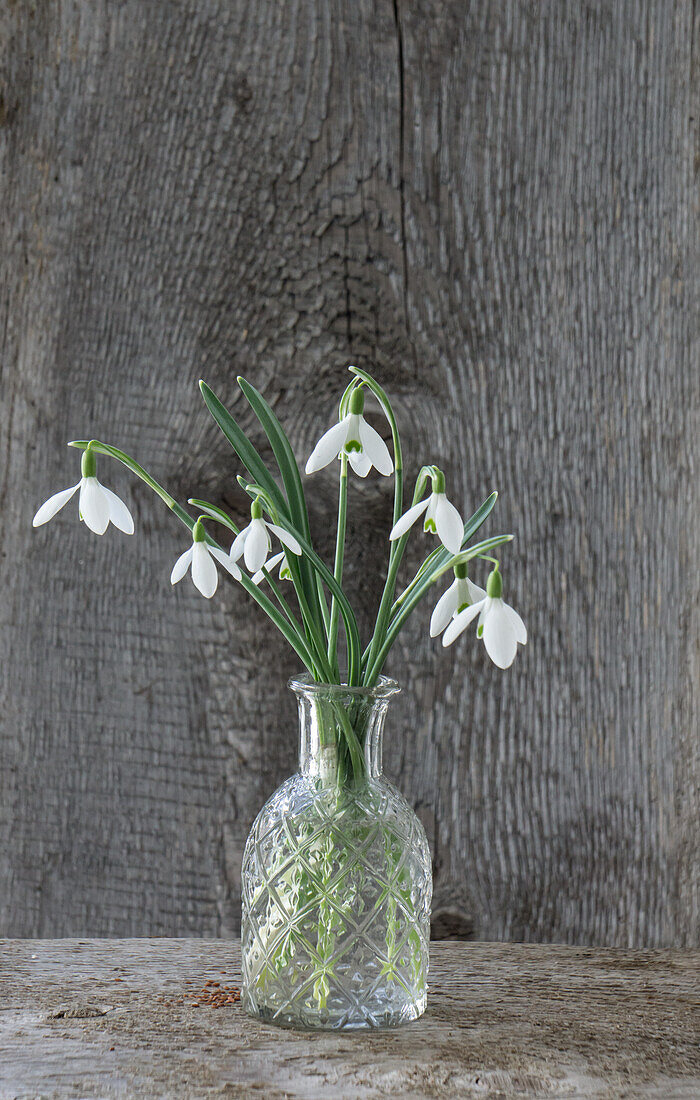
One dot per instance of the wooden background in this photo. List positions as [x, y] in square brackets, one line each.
[491, 206]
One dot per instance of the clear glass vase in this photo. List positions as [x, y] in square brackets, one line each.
[337, 878]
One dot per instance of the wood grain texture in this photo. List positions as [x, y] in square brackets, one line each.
[490, 206]
[127, 1018]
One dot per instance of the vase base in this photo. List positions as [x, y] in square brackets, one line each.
[355, 1021]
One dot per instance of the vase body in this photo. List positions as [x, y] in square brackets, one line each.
[337, 879]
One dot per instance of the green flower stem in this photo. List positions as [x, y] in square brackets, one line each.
[314, 641]
[323, 604]
[297, 569]
[351, 631]
[411, 585]
[218, 514]
[214, 512]
[339, 556]
[444, 562]
[293, 636]
[277, 591]
[126, 460]
[291, 477]
[395, 438]
[395, 556]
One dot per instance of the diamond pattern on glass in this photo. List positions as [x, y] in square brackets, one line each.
[336, 907]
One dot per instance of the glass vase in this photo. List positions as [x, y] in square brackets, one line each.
[337, 878]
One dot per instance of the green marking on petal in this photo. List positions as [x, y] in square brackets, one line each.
[480, 630]
[462, 606]
[429, 525]
[353, 445]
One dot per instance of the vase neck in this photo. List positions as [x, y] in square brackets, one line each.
[329, 715]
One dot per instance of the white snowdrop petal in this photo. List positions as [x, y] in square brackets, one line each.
[449, 524]
[518, 624]
[407, 520]
[52, 505]
[499, 635]
[238, 544]
[375, 448]
[257, 546]
[360, 462]
[269, 565]
[476, 594]
[119, 514]
[94, 506]
[460, 622]
[444, 610]
[225, 560]
[204, 574]
[181, 566]
[328, 447]
[285, 538]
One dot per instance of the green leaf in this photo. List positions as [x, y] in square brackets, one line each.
[310, 557]
[282, 450]
[214, 512]
[440, 558]
[291, 479]
[243, 447]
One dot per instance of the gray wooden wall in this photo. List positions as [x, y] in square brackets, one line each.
[489, 205]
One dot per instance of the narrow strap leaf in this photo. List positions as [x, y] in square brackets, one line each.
[283, 453]
[291, 479]
[443, 557]
[214, 512]
[243, 447]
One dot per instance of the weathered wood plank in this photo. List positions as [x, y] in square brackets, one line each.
[491, 206]
[502, 1021]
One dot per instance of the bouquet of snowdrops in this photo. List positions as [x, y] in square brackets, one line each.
[311, 619]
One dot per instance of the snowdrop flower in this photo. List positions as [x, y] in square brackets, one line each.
[200, 557]
[441, 517]
[254, 540]
[500, 626]
[354, 437]
[460, 595]
[98, 506]
[276, 559]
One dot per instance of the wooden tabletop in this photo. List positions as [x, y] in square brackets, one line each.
[142, 1018]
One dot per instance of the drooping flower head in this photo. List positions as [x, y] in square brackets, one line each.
[354, 437]
[200, 558]
[441, 517]
[98, 506]
[460, 595]
[254, 543]
[499, 625]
